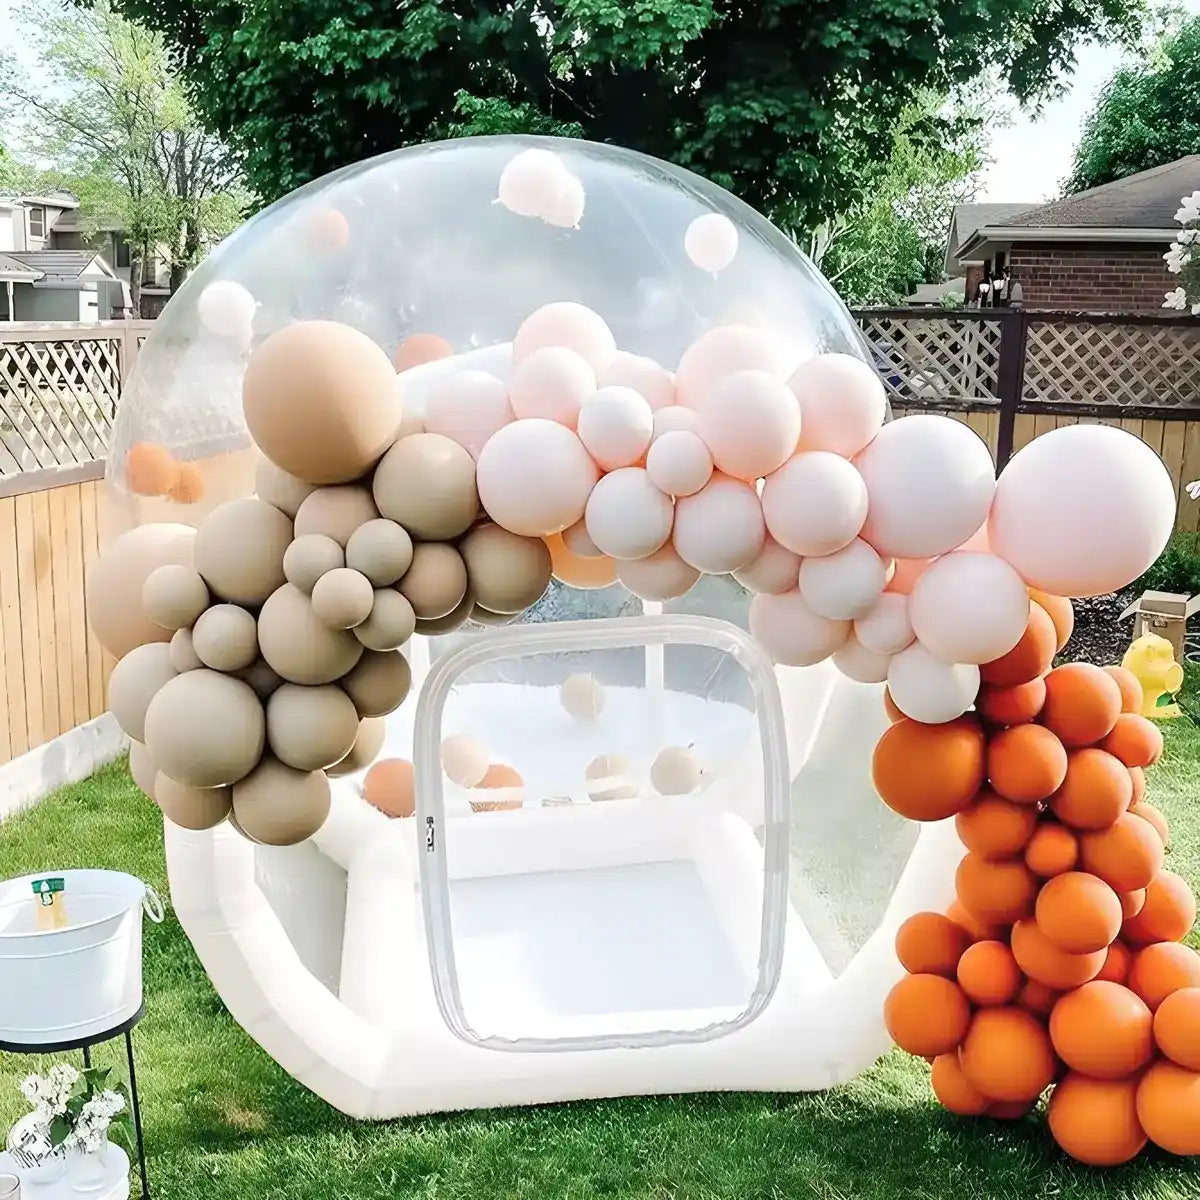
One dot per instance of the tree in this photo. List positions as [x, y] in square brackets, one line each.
[789, 103]
[1148, 113]
[113, 118]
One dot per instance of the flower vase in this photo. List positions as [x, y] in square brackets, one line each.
[87, 1171]
[36, 1160]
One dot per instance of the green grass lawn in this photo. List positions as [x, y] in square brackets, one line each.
[223, 1122]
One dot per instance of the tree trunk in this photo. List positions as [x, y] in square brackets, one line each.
[137, 256]
[187, 254]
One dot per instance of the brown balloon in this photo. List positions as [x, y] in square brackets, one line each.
[366, 748]
[142, 768]
[390, 623]
[311, 728]
[277, 487]
[173, 596]
[335, 512]
[342, 598]
[298, 646]
[379, 684]
[183, 653]
[426, 483]
[189, 807]
[276, 805]
[239, 550]
[381, 550]
[134, 683]
[506, 572]
[436, 582]
[456, 619]
[310, 557]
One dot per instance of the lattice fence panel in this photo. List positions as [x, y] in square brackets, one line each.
[927, 360]
[1147, 366]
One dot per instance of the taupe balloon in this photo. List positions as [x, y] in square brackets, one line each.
[343, 598]
[192, 808]
[183, 652]
[276, 805]
[298, 646]
[611, 777]
[279, 488]
[390, 624]
[379, 684]
[173, 596]
[226, 638]
[320, 401]
[239, 550]
[381, 550]
[436, 581]
[505, 572]
[676, 771]
[453, 620]
[311, 728]
[483, 616]
[205, 729]
[371, 734]
[261, 678]
[426, 483]
[142, 768]
[336, 512]
[134, 683]
[310, 557]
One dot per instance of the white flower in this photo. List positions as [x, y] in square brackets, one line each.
[1196, 309]
[1189, 208]
[1193, 489]
[1176, 299]
[31, 1087]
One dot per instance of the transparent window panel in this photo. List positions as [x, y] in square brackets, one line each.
[630, 887]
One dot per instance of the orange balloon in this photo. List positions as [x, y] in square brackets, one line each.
[1103, 1029]
[420, 348]
[1096, 791]
[929, 943]
[1037, 998]
[499, 776]
[1082, 704]
[995, 828]
[1168, 1106]
[1030, 658]
[1161, 969]
[1131, 688]
[889, 706]
[1136, 741]
[1007, 1054]
[996, 892]
[1042, 960]
[326, 230]
[929, 772]
[588, 574]
[1011, 705]
[1026, 763]
[1132, 903]
[1052, 850]
[388, 786]
[953, 1091]
[1177, 1027]
[1059, 610]
[1168, 914]
[1096, 1121]
[1127, 855]
[1010, 1110]
[976, 929]
[989, 974]
[188, 487]
[1117, 964]
[1147, 812]
[926, 1015]
[150, 469]
[1138, 777]
[1078, 912]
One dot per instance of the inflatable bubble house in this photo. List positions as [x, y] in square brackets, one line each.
[510, 556]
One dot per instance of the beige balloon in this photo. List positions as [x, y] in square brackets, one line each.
[436, 582]
[277, 487]
[611, 777]
[225, 638]
[676, 771]
[342, 598]
[174, 596]
[310, 557]
[336, 512]
[464, 760]
[321, 402]
[582, 696]
[134, 683]
[455, 619]
[298, 646]
[114, 583]
[381, 550]
[142, 768]
[391, 621]
[379, 684]
[311, 728]
[239, 550]
[276, 805]
[371, 734]
[261, 678]
[205, 729]
[426, 483]
[505, 572]
[192, 808]
[483, 616]
[183, 653]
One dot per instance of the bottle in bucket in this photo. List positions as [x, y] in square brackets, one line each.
[50, 898]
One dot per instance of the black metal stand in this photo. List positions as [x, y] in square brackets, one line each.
[85, 1044]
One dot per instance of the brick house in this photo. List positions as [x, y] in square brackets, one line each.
[1097, 251]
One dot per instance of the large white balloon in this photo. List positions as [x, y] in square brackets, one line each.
[627, 516]
[719, 528]
[843, 585]
[791, 633]
[815, 503]
[886, 628]
[615, 425]
[724, 350]
[856, 662]
[644, 375]
[842, 403]
[551, 382]
[969, 608]
[928, 688]
[467, 407]
[679, 462]
[750, 421]
[567, 324]
[711, 242]
[1083, 510]
[930, 480]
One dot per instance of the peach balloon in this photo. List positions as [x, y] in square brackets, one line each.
[467, 407]
[661, 576]
[587, 574]
[551, 382]
[722, 351]
[567, 325]
[845, 584]
[750, 421]
[675, 417]
[615, 426]
[842, 403]
[627, 516]
[565, 208]
[534, 477]
[885, 627]
[906, 572]
[719, 528]
[326, 230]
[531, 182]
[791, 633]
[815, 503]
[856, 662]
[775, 569]
[577, 540]
[644, 375]
[929, 689]
[420, 348]
[679, 463]
[711, 242]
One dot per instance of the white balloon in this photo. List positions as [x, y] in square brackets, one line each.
[565, 208]
[722, 351]
[928, 688]
[615, 426]
[567, 324]
[815, 503]
[663, 575]
[885, 628]
[969, 608]
[711, 242]
[1083, 510]
[751, 423]
[842, 403]
[791, 633]
[679, 463]
[643, 374]
[675, 417]
[719, 528]
[930, 480]
[551, 382]
[531, 181]
[464, 760]
[467, 407]
[845, 584]
[225, 307]
[627, 516]
[775, 570]
[856, 662]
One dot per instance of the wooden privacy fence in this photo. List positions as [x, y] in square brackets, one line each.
[1012, 374]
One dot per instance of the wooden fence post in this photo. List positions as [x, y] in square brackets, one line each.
[1010, 378]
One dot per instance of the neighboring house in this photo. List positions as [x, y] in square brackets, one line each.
[968, 266]
[1097, 251]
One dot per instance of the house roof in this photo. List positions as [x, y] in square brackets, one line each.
[72, 222]
[12, 270]
[59, 265]
[52, 199]
[966, 219]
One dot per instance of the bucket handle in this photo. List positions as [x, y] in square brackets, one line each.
[152, 905]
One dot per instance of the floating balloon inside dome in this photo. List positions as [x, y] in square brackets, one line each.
[534, 483]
